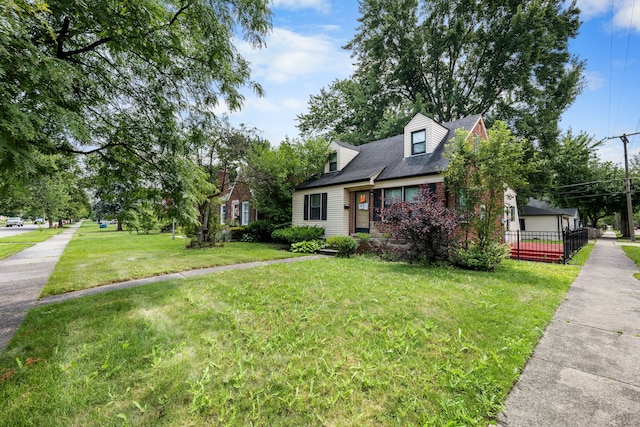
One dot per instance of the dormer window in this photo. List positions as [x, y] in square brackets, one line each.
[418, 142]
[333, 162]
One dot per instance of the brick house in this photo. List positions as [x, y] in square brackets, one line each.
[358, 180]
[235, 202]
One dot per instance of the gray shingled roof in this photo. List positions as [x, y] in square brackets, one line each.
[533, 211]
[386, 158]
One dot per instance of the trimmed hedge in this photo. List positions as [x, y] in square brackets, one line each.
[297, 234]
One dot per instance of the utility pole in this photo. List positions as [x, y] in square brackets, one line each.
[625, 141]
[632, 231]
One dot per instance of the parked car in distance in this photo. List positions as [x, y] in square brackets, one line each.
[17, 221]
[38, 221]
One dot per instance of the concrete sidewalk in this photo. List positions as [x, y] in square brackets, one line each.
[585, 370]
[22, 277]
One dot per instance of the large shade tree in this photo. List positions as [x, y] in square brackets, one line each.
[74, 74]
[448, 59]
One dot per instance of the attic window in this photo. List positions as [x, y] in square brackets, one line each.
[333, 162]
[418, 142]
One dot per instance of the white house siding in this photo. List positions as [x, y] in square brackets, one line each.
[335, 222]
[345, 155]
[513, 221]
[542, 223]
[434, 133]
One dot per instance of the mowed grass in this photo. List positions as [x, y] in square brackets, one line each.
[633, 252]
[582, 255]
[326, 342]
[97, 256]
[13, 244]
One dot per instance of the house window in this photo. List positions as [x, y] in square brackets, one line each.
[512, 213]
[333, 162]
[246, 213]
[235, 211]
[315, 206]
[461, 201]
[392, 195]
[418, 142]
[476, 142]
[223, 213]
[410, 193]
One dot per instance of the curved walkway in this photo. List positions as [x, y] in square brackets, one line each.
[23, 275]
[585, 371]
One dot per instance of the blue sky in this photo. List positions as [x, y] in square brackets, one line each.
[304, 54]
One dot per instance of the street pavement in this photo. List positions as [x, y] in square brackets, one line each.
[585, 371]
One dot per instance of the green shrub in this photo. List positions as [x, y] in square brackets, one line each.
[297, 234]
[236, 233]
[345, 245]
[365, 237]
[307, 247]
[223, 234]
[475, 258]
[261, 230]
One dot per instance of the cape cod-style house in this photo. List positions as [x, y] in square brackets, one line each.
[358, 180]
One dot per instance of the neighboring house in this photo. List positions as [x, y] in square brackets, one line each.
[511, 217]
[235, 207]
[359, 180]
[534, 219]
[574, 218]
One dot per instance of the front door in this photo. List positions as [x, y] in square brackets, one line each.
[362, 212]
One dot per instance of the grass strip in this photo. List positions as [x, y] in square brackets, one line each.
[633, 252]
[97, 256]
[580, 257]
[325, 342]
[8, 249]
[35, 236]
[11, 245]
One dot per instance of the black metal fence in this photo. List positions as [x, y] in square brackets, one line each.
[546, 246]
[574, 240]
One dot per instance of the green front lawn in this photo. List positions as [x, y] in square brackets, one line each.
[98, 256]
[325, 342]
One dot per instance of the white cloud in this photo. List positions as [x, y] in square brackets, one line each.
[627, 15]
[594, 80]
[290, 57]
[323, 6]
[625, 12]
[591, 8]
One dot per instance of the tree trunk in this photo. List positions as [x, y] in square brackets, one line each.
[624, 224]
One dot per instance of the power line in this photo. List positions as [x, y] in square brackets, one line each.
[610, 67]
[586, 196]
[590, 182]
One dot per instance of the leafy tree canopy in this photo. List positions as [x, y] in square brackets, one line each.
[85, 76]
[582, 180]
[450, 59]
[272, 173]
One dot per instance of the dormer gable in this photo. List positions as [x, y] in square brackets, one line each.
[422, 135]
[340, 154]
